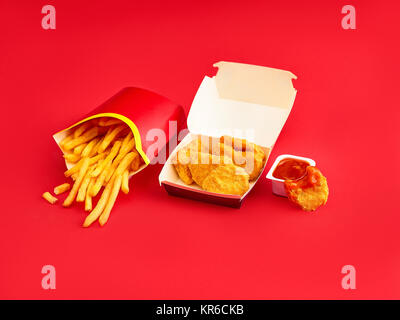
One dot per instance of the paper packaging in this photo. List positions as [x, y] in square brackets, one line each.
[239, 97]
[141, 110]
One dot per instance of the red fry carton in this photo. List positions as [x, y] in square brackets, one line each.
[241, 100]
[142, 110]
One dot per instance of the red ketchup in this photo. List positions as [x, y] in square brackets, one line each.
[290, 169]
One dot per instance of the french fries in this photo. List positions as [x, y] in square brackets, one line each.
[110, 157]
[77, 167]
[87, 151]
[95, 214]
[125, 182]
[108, 122]
[83, 187]
[78, 150]
[82, 172]
[101, 153]
[87, 136]
[116, 185]
[72, 157]
[49, 197]
[88, 197]
[78, 132]
[62, 188]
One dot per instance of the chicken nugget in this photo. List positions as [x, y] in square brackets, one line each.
[201, 164]
[245, 154]
[200, 144]
[227, 179]
[182, 165]
[204, 144]
[259, 162]
[237, 144]
[182, 160]
[309, 192]
[226, 151]
[252, 161]
[220, 149]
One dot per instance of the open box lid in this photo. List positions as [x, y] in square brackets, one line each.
[244, 101]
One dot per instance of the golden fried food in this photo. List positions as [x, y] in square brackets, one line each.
[183, 157]
[198, 159]
[227, 179]
[72, 157]
[249, 156]
[103, 154]
[259, 161]
[309, 192]
[238, 144]
[49, 197]
[201, 164]
[220, 149]
[75, 188]
[87, 136]
[62, 188]
[125, 182]
[182, 165]
[135, 162]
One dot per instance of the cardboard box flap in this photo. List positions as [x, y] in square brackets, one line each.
[244, 101]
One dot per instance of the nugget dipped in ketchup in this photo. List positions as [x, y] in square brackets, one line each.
[310, 190]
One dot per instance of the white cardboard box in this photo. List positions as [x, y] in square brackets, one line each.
[241, 100]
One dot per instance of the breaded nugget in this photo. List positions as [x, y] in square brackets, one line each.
[201, 164]
[247, 155]
[309, 192]
[183, 156]
[252, 161]
[204, 154]
[259, 162]
[201, 144]
[237, 144]
[182, 165]
[227, 179]
[220, 149]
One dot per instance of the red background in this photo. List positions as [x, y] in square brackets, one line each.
[345, 116]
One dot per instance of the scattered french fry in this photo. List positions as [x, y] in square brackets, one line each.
[49, 197]
[125, 182]
[95, 214]
[88, 197]
[111, 200]
[62, 188]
